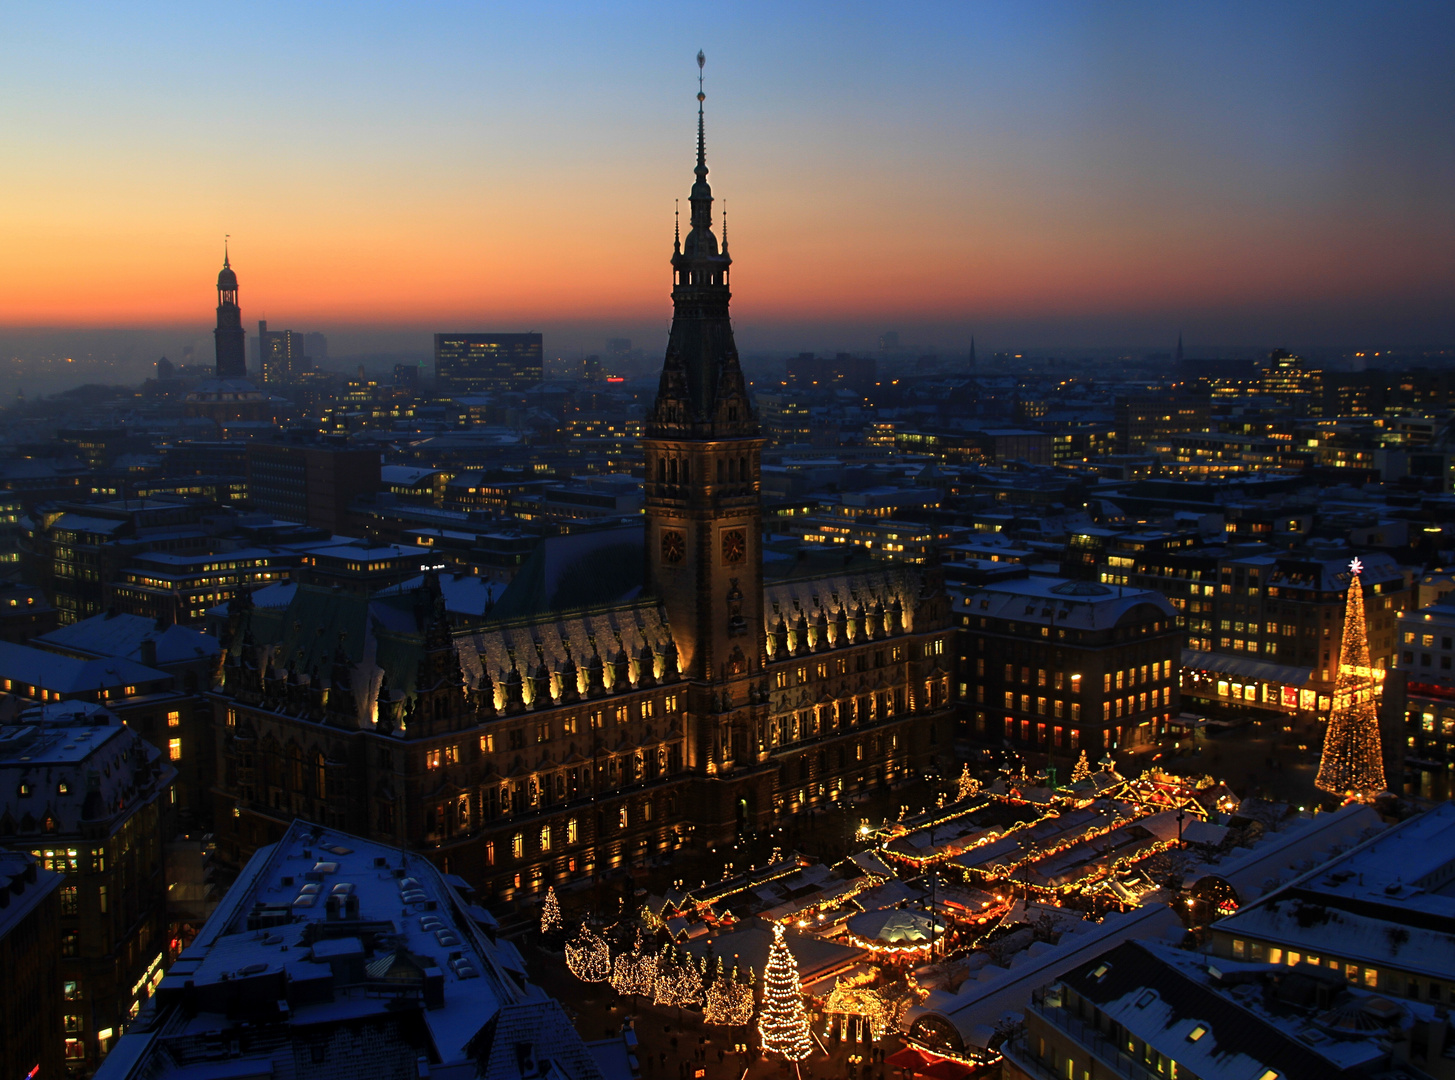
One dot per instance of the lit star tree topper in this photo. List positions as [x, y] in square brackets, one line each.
[783, 1023]
[1352, 763]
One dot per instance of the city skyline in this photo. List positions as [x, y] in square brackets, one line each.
[1082, 179]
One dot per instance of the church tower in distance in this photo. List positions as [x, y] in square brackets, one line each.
[232, 362]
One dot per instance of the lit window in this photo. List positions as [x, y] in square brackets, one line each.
[174, 749]
[1196, 1033]
[174, 719]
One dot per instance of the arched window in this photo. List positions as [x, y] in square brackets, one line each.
[320, 775]
[295, 768]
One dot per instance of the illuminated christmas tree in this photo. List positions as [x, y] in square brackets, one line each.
[550, 913]
[1353, 758]
[783, 1024]
[968, 785]
[1081, 770]
[588, 958]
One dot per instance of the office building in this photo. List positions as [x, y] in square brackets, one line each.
[85, 795]
[1060, 666]
[31, 1017]
[76, 550]
[1426, 655]
[312, 485]
[487, 363]
[282, 354]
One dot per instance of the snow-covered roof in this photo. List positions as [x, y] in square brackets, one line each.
[1389, 902]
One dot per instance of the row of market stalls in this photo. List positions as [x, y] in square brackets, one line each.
[948, 901]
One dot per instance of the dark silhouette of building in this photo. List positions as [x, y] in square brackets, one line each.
[851, 372]
[313, 485]
[232, 360]
[486, 363]
[30, 993]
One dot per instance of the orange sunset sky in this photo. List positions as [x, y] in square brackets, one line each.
[1009, 170]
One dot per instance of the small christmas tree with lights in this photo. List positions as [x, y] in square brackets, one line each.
[550, 913]
[783, 1024]
[1353, 758]
[1081, 770]
[588, 957]
[968, 785]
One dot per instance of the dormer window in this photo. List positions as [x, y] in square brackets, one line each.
[63, 788]
[24, 789]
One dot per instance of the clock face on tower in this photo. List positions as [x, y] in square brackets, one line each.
[734, 546]
[674, 546]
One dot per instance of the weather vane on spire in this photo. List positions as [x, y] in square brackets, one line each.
[701, 60]
[225, 238]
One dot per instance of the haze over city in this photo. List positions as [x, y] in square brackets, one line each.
[1044, 176]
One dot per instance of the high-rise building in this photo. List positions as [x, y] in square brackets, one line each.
[486, 363]
[1291, 382]
[232, 359]
[282, 354]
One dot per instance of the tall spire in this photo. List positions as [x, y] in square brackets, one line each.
[702, 381]
[226, 265]
[701, 169]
